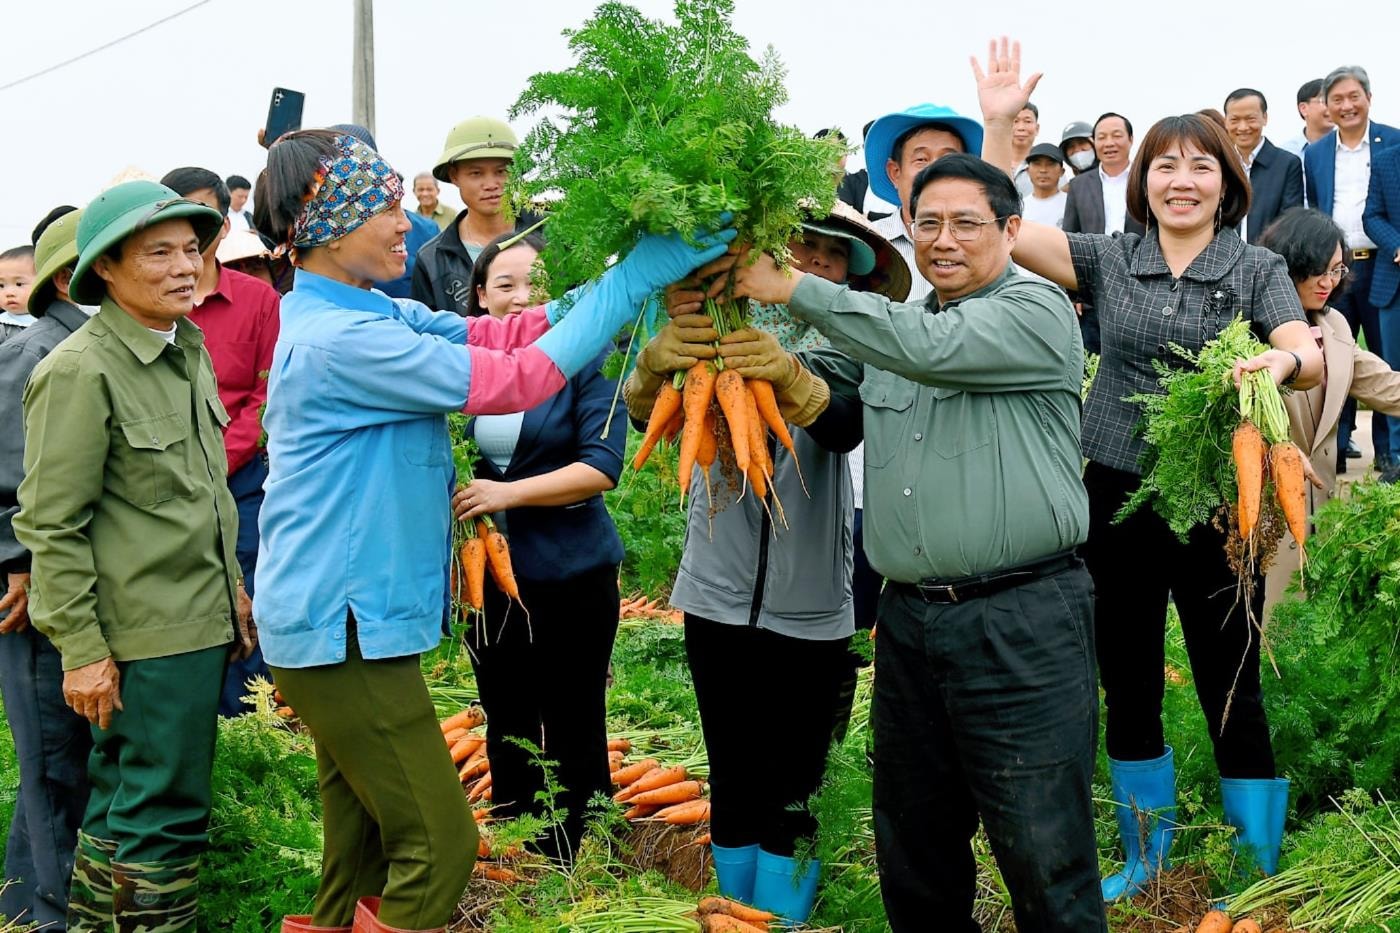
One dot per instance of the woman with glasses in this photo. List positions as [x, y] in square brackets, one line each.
[1179, 284]
[1311, 243]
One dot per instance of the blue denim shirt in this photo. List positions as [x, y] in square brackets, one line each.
[357, 510]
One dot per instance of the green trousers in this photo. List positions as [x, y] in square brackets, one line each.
[397, 824]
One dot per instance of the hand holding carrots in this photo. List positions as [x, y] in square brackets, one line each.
[681, 344]
[93, 691]
[1279, 363]
[480, 497]
[756, 354]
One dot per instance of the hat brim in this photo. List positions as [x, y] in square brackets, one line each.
[39, 299]
[87, 288]
[879, 144]
[890, 274]
[861, 260]
[467, 154]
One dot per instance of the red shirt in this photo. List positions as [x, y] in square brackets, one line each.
[240, 322]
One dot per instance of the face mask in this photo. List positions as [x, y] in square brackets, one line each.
[1082, 159]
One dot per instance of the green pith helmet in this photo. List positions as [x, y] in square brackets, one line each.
[119, 212]
[57, 249]
[476, 138]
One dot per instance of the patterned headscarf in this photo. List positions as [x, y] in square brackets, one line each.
[350, 189]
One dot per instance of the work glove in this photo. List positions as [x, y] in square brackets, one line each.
[680, 344]
[603, 309]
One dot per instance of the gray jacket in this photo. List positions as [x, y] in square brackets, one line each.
[740, 568]
[18, 357]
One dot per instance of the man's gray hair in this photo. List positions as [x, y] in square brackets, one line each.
[428, 175]
[1355, 72]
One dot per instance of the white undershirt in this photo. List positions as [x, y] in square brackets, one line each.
[1353, 179]
[1049, 211]
[167, 335]
[496, 437]
[1115, 200]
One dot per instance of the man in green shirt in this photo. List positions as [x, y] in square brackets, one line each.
[985, 700]
[126, 510]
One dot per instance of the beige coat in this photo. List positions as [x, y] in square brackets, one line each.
[1313, 417]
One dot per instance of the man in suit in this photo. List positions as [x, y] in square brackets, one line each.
[1382, 222]
[1098, 202]
[1312, 110]
[1337, 176]
[1275, 176]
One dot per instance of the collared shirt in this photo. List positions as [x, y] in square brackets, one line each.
[442, 215]
[892, 228]
[239, 320]
[1115, 200]
[1143, 310]
[971, 416]
[1353, 181]
[125, 503]
[1295, 144]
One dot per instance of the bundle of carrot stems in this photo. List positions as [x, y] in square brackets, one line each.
[718, 414]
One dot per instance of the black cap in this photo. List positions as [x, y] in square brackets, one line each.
[1048, 151]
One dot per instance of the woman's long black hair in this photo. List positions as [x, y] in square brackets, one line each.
[292, 164]
[482, 267]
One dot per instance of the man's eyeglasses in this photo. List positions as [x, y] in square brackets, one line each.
[964, 229]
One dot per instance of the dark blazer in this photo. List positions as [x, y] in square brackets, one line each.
[1382, 222]
[1276, 180]
[1320, 164]
[1084, 211]
[557, 542]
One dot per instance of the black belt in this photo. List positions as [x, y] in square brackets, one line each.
[960, 591]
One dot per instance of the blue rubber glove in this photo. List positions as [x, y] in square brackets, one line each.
[612, 302]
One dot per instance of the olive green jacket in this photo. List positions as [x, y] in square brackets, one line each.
[971, 420]
[125, 503]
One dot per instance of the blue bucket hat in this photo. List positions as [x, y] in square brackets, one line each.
[879, 142]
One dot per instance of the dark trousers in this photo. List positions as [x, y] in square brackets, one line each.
[396, 823]
[550, 692]
[52, 745]
[1355, 304]
[1136, 565]
[151, 770]
[759, 690]
[247, 488]
[987, 709]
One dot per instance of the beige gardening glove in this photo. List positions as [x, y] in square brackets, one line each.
[756, 354]
[681, 343]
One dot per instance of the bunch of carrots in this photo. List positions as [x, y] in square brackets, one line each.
[468, 750]
[655, 792]
[707, 405]
[479, 545]
[1217, 921]
[1262, 452]
[721, 915]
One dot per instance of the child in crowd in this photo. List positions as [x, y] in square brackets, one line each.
[16, 281]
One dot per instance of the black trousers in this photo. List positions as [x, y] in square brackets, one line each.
[1355, 304]
[549, 691]
[1136, 565]
[987, 709]
[763, 697]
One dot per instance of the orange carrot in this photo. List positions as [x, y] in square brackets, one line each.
[495, 873]
[767, 403]
[668, 403]
[685, 814]
[452, 737]
[1248, 446]
[627, 792]
[660, 777]
[481, 788]
[709, 441]
[498, 556]
[619, 745]
[639, 812]
[474, 768]
[465, 746]
[729, 389]
[1246, 926]
[723, 905]
[625, 776]
[1291, 487]
[673, 427]
[671, 793]
[469, 718]
[482, 528]
[1217, 921]
[481, 815]
[723, 923]
[701, 840]
[483, 846]
[699, 391]
[474, 571]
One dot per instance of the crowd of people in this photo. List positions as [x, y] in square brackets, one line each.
[192, 393]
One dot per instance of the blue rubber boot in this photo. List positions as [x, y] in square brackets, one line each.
[1144, 794]
[734, 870]
[779, 889]
[1256, 808]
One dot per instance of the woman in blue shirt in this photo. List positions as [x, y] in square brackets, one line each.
[541, 477]
[353, 562]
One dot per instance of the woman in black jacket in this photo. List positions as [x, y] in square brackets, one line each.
[541, 477]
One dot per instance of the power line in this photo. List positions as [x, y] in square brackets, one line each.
[104, 46]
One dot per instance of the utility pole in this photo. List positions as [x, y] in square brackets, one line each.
[362, 78]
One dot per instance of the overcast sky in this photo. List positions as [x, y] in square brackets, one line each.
[194, 91]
